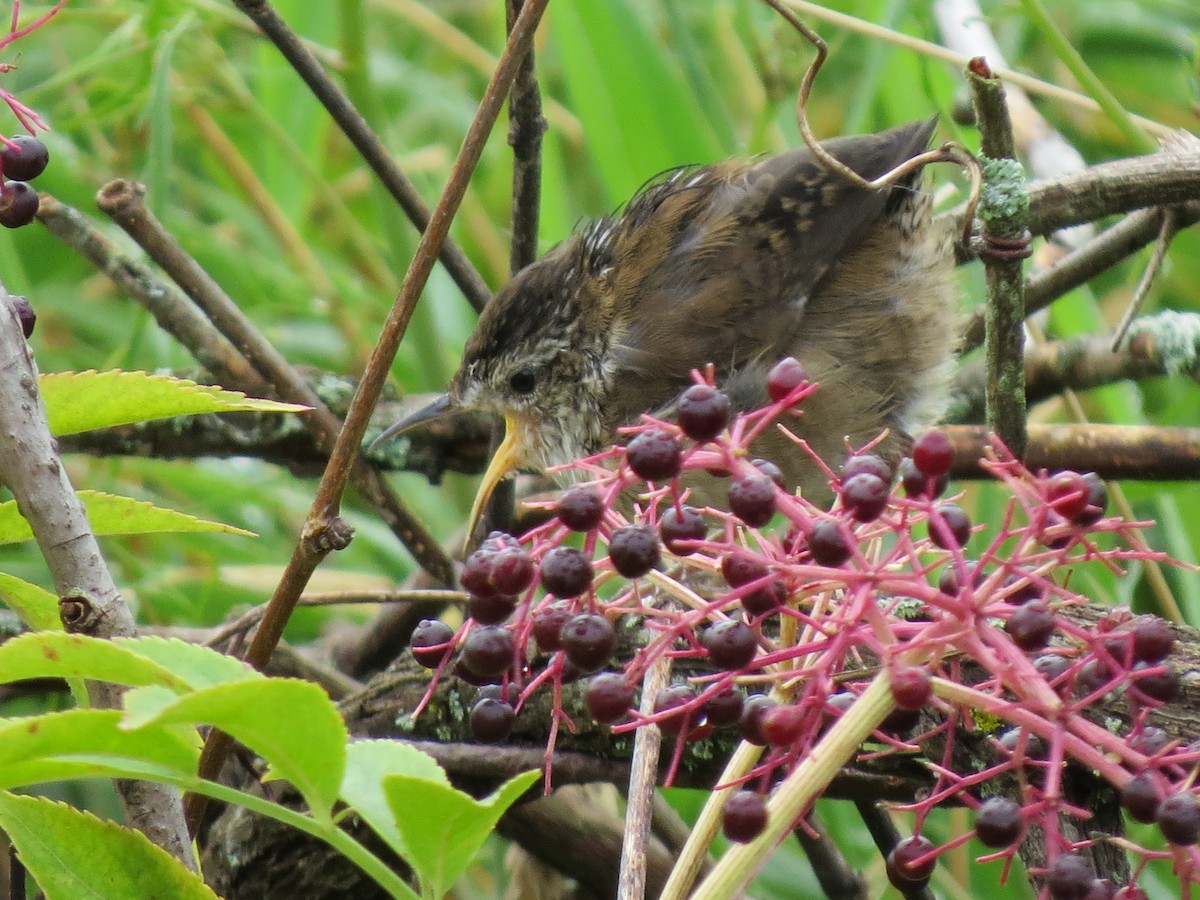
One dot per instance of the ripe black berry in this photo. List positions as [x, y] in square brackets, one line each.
[867, 464]
[24, 158]
[744, 816]
[948, 582]
[588, 640]
[954, 530]
[1068, 494]
[917, 484]
[25, 313]
[633, 550]
[769, 469]
[765, 600]
[998, 822]
[740, 567]
[782, 725]
[654, 455]
[488, 650]
[1140, 798]
[724, 707]
[1097, 501]
[933, 454]
[1152, 639]
[580, 508]
[785, 376]
[608, 697]
[426, 640]
[730, 644]
[1179, 819]
[1149, 739]
[750, 723]
[566, 572]
[1020, 587]
[492, 610]
[547, 625]
[910, 864]
[1051, 666]
[492, 720]
[911, 686]
[865, 496]
[679, 524]
[703, 412]
[752, 499]
[18, 204]
[1030, 626]
[674, 697]
[1069, 877]
[1161, 685]
[827, 544]
[512, 570]
[900, 721]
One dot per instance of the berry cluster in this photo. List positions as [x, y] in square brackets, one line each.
[22, 159]
[789, 612]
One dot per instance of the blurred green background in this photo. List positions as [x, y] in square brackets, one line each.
[245, 168]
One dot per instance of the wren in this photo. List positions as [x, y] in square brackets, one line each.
[737, 264]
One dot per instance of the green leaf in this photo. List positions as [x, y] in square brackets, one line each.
[367, 764]
[85, 401]
[74, 855]
[111, 514]
[82, 742]
[291, 724]
[443, 828]
[37, 607]
[56, 654]
[199, 667]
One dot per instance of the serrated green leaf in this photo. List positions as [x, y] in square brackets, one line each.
[112, 514]
[444, 828]
[367, 764]
[74, 855]
[85, 401]
[291, 724]
[56, 654]
[78, 742]
[37, 607]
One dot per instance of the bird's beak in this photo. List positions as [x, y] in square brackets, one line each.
[436, 410]
[506, 458]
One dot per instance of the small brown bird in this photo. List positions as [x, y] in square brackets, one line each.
[736, 264]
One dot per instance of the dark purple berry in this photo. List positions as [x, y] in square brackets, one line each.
[910, 864]
[769, 469]
[492, 610]
[744, 816]
[1152, 639]
[917, 484]
[827, 544]
[785, 376]
[740, 567]
[512, 570]
[633, 550]
[998, 822]
[681, 524]
[782, 725]
[953, 529]
[900, 721]
[654, 455]
[488, 650]
[1030, 626]
[674, 697]
[580, 508]
[865, 496]
[492, 720]
[1097, 501]
[933, 454]
[867, 464]
[1140, 798]
[24, 158]
[1094, 675]
[911, 686]
[730, 644]
[18, 204]
[752, 499]
[750, 723]
[703, 412]
[1068, 494]
[1051, 666]
[724, 707]
[547, 625]
[588, 641]
[948, 582]
[765, 600]
[1149, 739]
[566, 572]
[25, 313]
[427, 642]
[1069, 877]
[1179, 819]
[608, 697]
[1162, 685]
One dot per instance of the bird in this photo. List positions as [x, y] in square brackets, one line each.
[735, 264]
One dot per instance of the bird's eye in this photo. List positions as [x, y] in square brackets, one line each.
[523, 381]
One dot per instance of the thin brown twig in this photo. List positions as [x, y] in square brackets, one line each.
[322, 516]
[365, 141]
[1166, 232]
